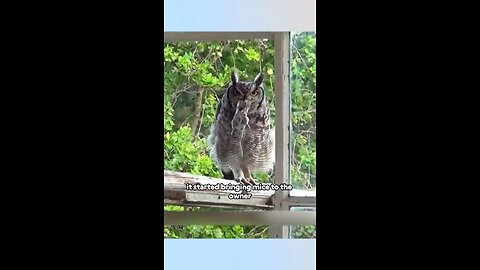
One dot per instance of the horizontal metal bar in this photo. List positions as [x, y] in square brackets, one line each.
[301, 201]
[171, 37]
[302, 193]
[240, 218]
[301, 198]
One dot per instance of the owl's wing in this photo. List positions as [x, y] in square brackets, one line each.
[220, 102]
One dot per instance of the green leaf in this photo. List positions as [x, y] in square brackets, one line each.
[218, 233]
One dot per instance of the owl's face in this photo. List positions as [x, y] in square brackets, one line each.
[246, 95]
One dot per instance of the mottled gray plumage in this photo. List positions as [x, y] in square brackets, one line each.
[241, 140]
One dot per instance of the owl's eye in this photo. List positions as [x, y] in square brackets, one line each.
[254, 93]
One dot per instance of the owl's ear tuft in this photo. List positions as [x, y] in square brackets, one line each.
[234, 77]
[258, 79]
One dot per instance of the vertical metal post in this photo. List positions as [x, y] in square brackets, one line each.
[282, 127]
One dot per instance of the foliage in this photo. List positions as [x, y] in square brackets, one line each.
[196, 74]
[211, 231]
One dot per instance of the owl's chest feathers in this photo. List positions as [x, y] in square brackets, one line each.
[252, 144]
[238, 136]
[253, 130]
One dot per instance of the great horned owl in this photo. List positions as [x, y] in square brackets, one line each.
[241, 140]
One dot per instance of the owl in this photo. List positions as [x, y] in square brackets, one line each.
[241, 141]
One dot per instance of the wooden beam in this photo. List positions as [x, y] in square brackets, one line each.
[282, 126]
[171, 37]
[176, 193]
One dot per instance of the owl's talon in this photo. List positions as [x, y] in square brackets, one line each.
[251, 181]
[239, 179]
[242, 180]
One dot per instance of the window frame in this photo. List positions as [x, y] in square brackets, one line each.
[282, 200]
